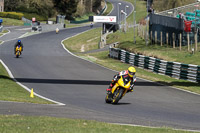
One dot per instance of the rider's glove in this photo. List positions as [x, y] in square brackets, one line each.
[115, 79]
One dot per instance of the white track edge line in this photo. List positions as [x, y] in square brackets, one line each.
[26, 88]
[133, 125]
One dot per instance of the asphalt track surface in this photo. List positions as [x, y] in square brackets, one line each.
[81, 85]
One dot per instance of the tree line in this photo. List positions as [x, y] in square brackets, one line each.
[50, 8]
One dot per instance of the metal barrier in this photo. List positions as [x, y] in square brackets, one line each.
[173, 69]
[27, 22]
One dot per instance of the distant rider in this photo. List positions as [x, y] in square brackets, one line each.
[91, 25]
[19, 42]
[127, 74]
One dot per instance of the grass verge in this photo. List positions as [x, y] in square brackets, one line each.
[31, 124]
[109, 8]
[140, 11]
[162, 52]
[3, 32]
[87, 41]
[11, 91]
[12, 22]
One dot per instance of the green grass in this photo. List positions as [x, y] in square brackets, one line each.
[12, 22]
[32, 124]
[140, 11]
[162, 52]
[11, 91]
[5, 31]
[109, 8]
[84, 42]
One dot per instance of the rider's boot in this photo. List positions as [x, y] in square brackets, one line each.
[109, 90]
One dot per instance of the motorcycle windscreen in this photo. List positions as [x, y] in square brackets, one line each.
[124, 81]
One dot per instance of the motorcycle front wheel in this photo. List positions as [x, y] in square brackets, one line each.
[117, 95]
[108, 99]
[17, 54]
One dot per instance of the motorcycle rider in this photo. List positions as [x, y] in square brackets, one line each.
[19, 42]
[127, 74]
[91, 25]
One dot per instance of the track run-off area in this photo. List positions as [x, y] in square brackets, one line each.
[80, 85]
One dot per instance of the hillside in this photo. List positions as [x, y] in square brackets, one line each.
[50, 8]
[161, 5]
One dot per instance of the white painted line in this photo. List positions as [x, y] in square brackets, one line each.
[24, 29]
[153, 127]
[28, 103]
[2, 42]
[29, 34]
[5, 33]
[26, 88]
[24, 35]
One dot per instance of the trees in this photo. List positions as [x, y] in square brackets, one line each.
[66, 7]
[48, 8]
[10, 5]
[42, 7]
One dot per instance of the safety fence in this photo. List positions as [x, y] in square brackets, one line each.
[27, 22]
[173, 69]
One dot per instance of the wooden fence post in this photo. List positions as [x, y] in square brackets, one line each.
[180, 40]
[167, 39]
[188, 41]
[156, 37]
[161, 38]
[151, 37]
[173, 38]
[195, 41]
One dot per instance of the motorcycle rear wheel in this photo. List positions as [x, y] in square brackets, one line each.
[117, 95]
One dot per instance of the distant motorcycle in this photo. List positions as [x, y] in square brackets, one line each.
[91, 25]
[18, 51]
[118, 91]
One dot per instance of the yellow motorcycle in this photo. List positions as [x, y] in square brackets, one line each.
[18, 51]
[118, 90]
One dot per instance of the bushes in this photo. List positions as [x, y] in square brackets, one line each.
[13, 15]
[38, 17]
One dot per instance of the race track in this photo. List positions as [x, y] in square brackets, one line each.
[81, 85]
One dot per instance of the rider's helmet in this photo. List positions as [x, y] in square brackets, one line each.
[19, 41]
[131, 71]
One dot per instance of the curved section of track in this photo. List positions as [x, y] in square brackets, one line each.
[58, 75]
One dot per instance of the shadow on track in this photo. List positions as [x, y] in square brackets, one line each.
[83, 82]
[121, 103]
[97, 82]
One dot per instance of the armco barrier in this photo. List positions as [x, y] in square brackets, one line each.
[173, 69]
